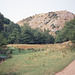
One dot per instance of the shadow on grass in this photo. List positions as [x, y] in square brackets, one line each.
[9, 73]
[25, 51]
[17, 52]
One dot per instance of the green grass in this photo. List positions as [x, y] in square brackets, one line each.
[46, 62]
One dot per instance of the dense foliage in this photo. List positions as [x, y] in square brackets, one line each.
[2, 38]
[35, 36]
[67, 33]
[12, 33]
[15, 34]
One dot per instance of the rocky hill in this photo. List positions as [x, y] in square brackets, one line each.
[53, 21]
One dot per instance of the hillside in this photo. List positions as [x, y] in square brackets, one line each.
[53, 21]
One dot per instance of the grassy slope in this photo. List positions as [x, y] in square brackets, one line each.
[46, 62]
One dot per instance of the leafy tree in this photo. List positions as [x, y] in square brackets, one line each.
[2, 40]
[39, 39]
[14, 36]
[6, 21]
[62, 36]
[26, 34]
[48, 38]
[35, 36]
[67, 33]
[11, 27]
[70, 26]
[13, 33]
[1, 22]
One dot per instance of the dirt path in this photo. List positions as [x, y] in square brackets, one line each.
[69, 70]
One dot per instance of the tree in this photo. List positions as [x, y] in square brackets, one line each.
[6, 21]
[1, 22]
[67, 33]
[26, 34]
[11, 27]
[35, 36]
[62, 36]
[38, 37]
[71, 30]
[2, 40]
[14, 36]
[13, 33]
[48, 38]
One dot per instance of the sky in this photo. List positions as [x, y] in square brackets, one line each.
[17, 10]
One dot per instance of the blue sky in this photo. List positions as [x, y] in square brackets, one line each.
[17, 10]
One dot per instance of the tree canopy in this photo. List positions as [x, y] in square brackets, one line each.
[35, 36]
[67, 33]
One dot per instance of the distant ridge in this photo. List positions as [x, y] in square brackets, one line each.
[53, 21]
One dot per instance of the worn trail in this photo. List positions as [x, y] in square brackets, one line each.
[69, 70]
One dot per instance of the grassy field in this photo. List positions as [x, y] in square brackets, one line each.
[37, 59]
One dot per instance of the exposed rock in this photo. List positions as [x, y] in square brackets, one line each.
[53, 21]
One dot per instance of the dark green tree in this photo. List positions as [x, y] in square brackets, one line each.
[6, 21]
[14, 37]
[13, 33]
[48, 38]
[1, 22]
[67, 33]
[26, 34]
[38, 37]
[2, 40]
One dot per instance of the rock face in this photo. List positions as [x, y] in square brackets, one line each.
[53, 21]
